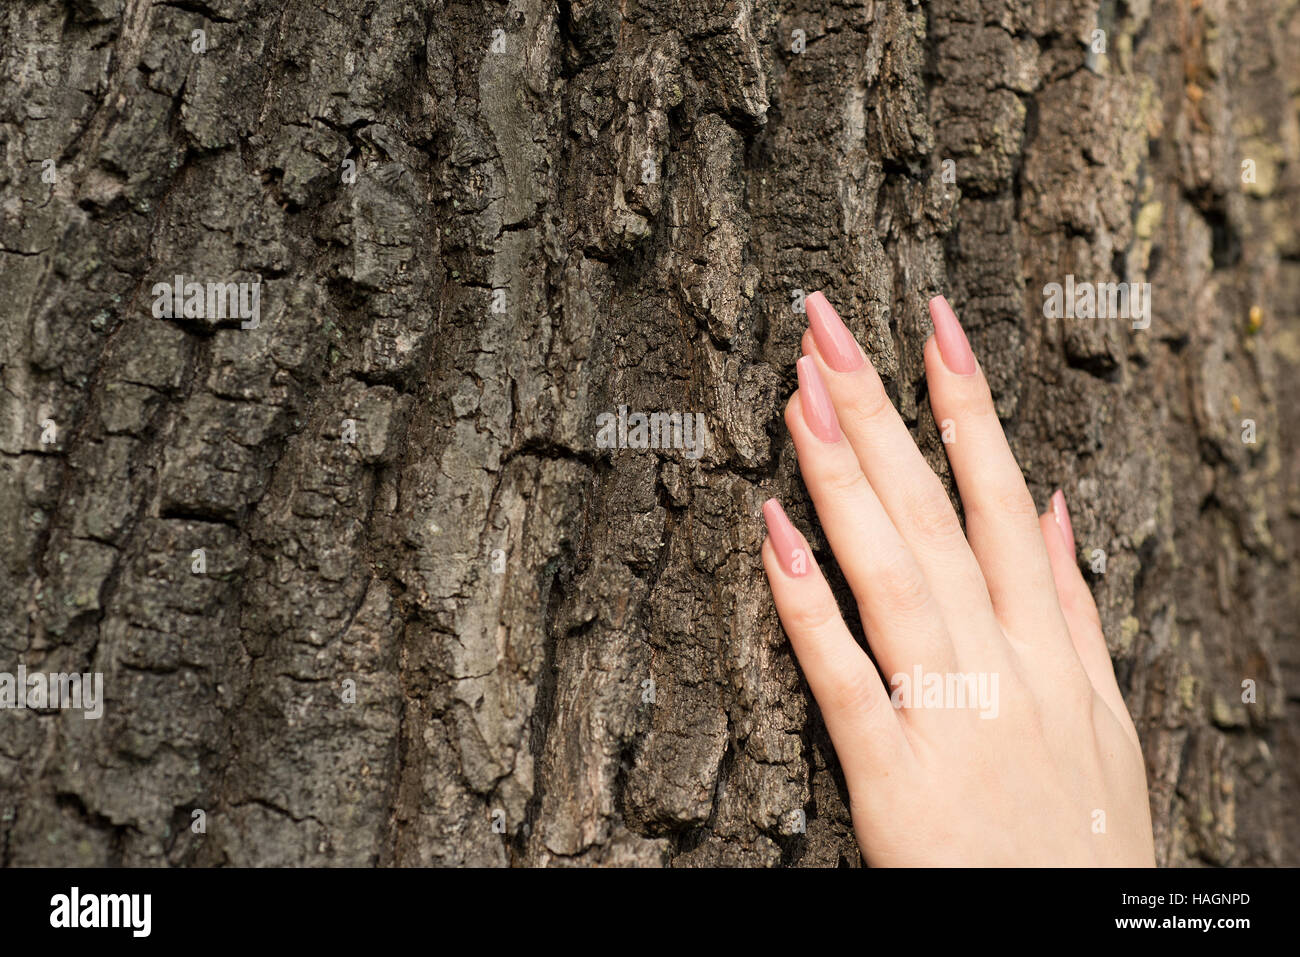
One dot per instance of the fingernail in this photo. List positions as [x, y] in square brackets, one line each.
[1062, 516]
[818, 411]
[791, 551]
[834, 341]
[953, 346]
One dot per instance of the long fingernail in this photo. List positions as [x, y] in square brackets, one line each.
[791, 551]
[818, 411]
[834, 341]
[953, 346]
[1062, 516]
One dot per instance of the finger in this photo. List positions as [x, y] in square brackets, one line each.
[1001, 518]
[899, 614]
[912, 495]
[863, 725]
[1080, 610]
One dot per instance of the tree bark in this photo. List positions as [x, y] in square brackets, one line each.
[436, 622]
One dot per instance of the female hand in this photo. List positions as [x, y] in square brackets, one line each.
[1006, 741]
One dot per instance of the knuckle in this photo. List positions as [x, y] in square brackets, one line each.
[1019, 705]
[843, 482]
[871, 402]
[973, 402]
[1016, 502]
[1023, 714]
[1079, 698]
[1075, 688]
[1082, 613]
[855, 692]
[1061, 671]
[1079, 606]
[1008, 501]
[932, 519]
[901, 586]
[811, 617]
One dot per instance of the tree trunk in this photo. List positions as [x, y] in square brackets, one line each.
[365, 585]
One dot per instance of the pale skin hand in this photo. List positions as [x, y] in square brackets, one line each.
[942, 785]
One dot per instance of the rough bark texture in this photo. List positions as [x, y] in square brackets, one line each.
[617, 208]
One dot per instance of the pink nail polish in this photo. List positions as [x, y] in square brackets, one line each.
[791, 550]
[953, 347]
[1062, 516]
[834, 341]
[818, 411]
